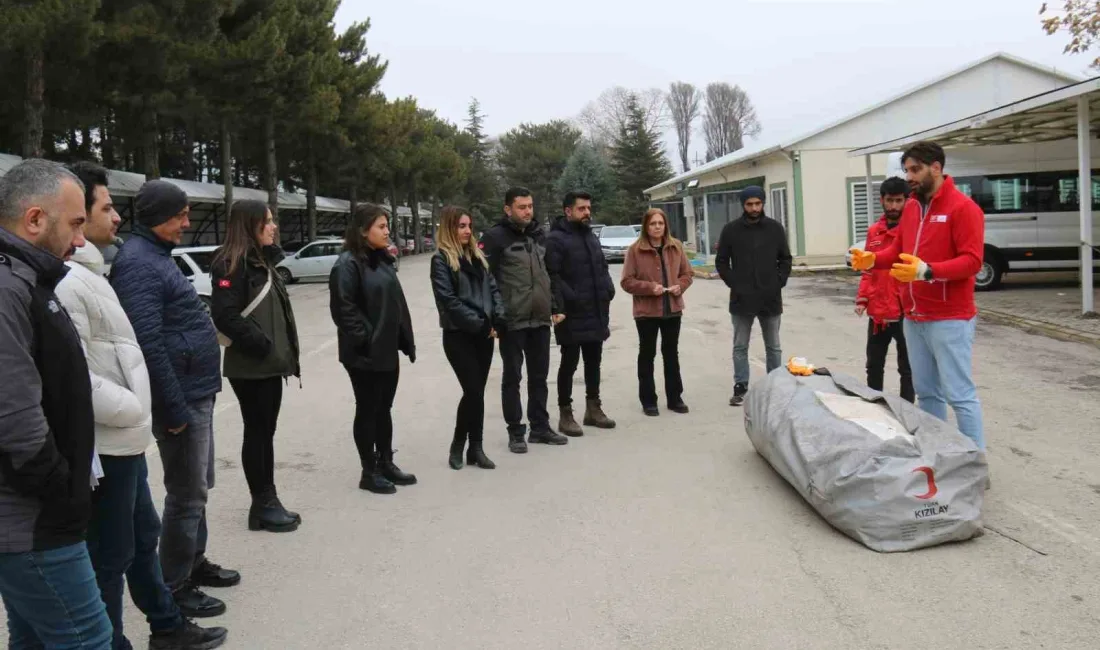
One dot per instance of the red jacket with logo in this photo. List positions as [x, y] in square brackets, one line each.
[949, 235]
[879, 292]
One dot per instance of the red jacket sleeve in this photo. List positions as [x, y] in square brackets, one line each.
[885, 258]
[866, 284]
[968, 235]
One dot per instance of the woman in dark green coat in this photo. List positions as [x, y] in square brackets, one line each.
[252, 312]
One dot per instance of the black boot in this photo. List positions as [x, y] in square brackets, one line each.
[372, 479]
[268, 514]
[188, 636]
[393, 473]
[194, 603]
[458, 443]
[517, 439]
[209, 574]
[475, 455]
[292, 515]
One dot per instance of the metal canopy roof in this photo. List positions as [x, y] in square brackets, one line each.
[1042, 118]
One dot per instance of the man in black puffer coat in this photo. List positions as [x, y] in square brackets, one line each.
[583, 288]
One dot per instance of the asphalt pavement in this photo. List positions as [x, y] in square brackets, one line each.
[666, 532]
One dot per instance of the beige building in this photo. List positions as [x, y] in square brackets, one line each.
[814, 187]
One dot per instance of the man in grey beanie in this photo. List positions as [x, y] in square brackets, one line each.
[754, 260]
[181, 351]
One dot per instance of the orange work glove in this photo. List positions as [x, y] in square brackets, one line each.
[911, 268]
[799, 366]
[862, 260]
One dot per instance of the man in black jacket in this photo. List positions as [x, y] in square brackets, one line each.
[584, 289]
[47, 424]
[515, 250]
[754, 261]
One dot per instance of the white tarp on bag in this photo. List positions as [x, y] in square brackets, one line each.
[873, 465]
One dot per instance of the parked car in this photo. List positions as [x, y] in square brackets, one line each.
[195, 261]
[615, 240]
[312, 261]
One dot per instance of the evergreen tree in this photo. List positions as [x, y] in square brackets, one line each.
[534, 156]
[481, 190]
[639, 161]
[587, 170]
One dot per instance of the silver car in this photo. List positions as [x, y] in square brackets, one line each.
[615, 240]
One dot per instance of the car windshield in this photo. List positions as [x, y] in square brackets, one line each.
[203, 259]
[618, 232]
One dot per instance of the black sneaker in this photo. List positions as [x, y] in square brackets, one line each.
[188, 637]
[651, 411]
[516, 442]
[209, 574]
[193, 603]
[679, 407]
[547, 437]
[739, 391]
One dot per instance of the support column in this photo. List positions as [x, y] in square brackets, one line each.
[1084, 193]
[870, 195]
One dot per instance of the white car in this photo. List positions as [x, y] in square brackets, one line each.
[314, 260]
[615, 240]
[195, 261]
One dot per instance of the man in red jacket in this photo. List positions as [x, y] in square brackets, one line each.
[879, 294]
[936, 254]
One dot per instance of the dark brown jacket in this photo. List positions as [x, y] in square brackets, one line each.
[642, 272]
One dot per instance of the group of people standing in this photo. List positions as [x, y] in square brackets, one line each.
[99, 364]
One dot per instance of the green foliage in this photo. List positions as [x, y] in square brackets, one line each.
[535, 156]
[587, 170]
[639, 161]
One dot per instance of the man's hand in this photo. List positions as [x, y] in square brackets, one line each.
[861, 310]
[178, 430]
[675, 290]
[492, 334]
[658, 290]
[911, 268]
[557, 319]
[862, 260]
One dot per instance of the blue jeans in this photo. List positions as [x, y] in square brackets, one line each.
[122, 541]
[188, 458]
[53, 601]
[742, 332]
[940, 356]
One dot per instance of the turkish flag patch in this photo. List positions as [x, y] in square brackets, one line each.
[223, 283]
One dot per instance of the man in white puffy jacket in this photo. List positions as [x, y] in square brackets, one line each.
[125, 528]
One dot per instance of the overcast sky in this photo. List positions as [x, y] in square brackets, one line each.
[804, 63]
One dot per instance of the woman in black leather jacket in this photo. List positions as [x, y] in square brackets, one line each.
[252, 312]
[472, 316]
[373, 325]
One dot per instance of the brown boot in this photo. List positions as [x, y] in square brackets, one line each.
[568, 425]
[595, 417]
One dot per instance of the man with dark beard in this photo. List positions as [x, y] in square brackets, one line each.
[936, 255]
[879, 294]
[754, 260]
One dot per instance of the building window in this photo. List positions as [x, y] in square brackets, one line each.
[778, 205]
[858, 200]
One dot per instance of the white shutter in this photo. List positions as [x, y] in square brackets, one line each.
[860, 221]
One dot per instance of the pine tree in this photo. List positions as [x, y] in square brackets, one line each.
[587, 170]
[480, 191]
[639, 161]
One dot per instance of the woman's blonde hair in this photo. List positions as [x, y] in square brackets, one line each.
[668, 240]
[452, 250]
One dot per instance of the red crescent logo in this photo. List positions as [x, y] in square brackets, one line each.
[931, 476]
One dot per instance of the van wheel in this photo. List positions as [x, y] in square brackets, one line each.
[992, 271]
[286, 275]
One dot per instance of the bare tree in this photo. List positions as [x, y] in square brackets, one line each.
[603, 118]
[683, 107]
[730, 118]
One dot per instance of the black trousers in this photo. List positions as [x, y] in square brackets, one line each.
[570, 358]
[374, 393]
[260, 400]
[878, 343]
[470, 357]
[669, 331]
[515, 346]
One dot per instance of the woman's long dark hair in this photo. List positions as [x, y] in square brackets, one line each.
[363, 219]
[246, 220]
